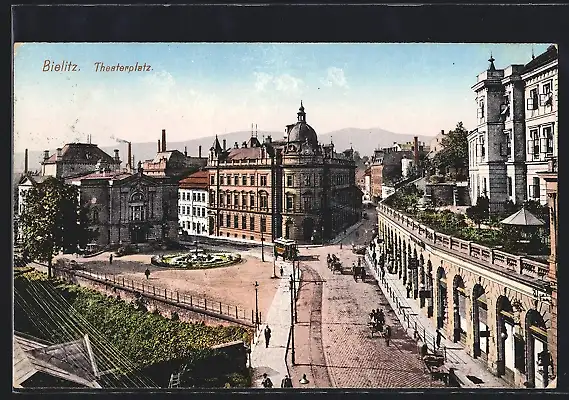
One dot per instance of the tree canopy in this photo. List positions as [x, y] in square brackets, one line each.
[53, 220]
[454, 152]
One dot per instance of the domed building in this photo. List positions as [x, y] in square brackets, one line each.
[295, 188]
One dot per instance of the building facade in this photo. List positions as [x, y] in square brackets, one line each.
[293, 188]
[76, 159]
[516, 132]
[193, 196]
[129, 207]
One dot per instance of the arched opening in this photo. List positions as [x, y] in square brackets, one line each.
[429, 289]
[288, 228]
[308, 229]
[480, 327]
[460, 307]
[509, 345]
[442, 302]
[539, 368]
[415, 272]
[421, 281]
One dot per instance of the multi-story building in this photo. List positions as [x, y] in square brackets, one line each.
[293, 188]
[127, 207]
[376, 174]
[436, 144]
[173, 163]
[516, 132]
[192, 204]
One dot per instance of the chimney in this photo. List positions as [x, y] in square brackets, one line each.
[416, 149]
[45, 154]
[159, 148]
[26, 162]
[236, 145]
[442, 131]
[224, 144]
[58, 153]
[163, 139]
[116, 154]
[199, 151]
[129, 159]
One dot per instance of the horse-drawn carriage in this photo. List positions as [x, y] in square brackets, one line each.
[334, 263]
[375, 327]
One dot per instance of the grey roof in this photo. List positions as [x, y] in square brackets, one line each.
[86, 153]
[523, 218]
[69, 361]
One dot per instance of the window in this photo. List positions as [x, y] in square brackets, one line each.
[212, 198]
[194, 211]
[244, 180]
[481, 109]
[236, 180]
[484, 192]
[533, 143]
[229, 180]
[194, 196]
[263, 224]
[532, 100]
[547, 146]
[289, 180]
[534, 188]
[243, 200]
[222, 180]
[251, 200]
[509, 141]
[519, 354]
[264, 180]
[546, 98]
[187, 210]
[289, 202]
[307, 181]
[263, 201]
[212, 179]
[509, 182]
[221, 200]
[137, 213]
[307, 203]
[236, 221]
[228, 220]
[229, 200]
[236, 200]
[482, 147]
[203, 197]
[244, 222]
[220, 219]
[252, 180]
[252, 223]
[193, 226]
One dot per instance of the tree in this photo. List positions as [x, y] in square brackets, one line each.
[53, 220]
[454, 152]
[479, 212]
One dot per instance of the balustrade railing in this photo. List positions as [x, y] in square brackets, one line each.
[494, 257]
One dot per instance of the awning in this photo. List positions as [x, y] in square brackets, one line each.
[523, 218]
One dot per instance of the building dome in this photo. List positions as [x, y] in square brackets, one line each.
[301, 131]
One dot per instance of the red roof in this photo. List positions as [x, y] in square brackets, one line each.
[197, 180]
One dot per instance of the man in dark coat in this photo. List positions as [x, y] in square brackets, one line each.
[387, 334]
[267, 336]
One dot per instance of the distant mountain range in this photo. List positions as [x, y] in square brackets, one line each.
[362, 140]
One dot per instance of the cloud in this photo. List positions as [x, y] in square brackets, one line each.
[335, 77]
[281, 83]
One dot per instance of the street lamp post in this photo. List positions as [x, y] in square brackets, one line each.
[292, 321]
[262, 246]
[256, 304]
[274, 266]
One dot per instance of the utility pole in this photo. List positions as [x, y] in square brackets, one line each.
[256, 304]
[262, 245]
[294, 288]
[292, 320]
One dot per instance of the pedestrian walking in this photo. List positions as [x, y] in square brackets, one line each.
[439, 337]
[111, 258]
[267, 336]
[281, 271]
[409, 289]
[286, 382]
[267, 383]
[387, 334]
[147, 273]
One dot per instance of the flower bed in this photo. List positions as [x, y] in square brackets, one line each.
[199, 260]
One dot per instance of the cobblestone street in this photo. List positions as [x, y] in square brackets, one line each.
[354, 359]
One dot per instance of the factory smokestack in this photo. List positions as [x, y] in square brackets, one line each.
[186, 151]
[163, 139]
[129, 159]
[159, 148]
[200, 151]
[224, 143]
[416, 152]
[26, 162]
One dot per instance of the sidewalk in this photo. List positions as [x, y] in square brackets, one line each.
[411, 316]
[272, 360]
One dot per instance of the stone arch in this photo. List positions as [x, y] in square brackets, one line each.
[429, 288]
[538, 371]
[505, 343]
[480, 327]
[460, 309]
[442, 296]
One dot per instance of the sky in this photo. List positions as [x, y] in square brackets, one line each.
[201, 89]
